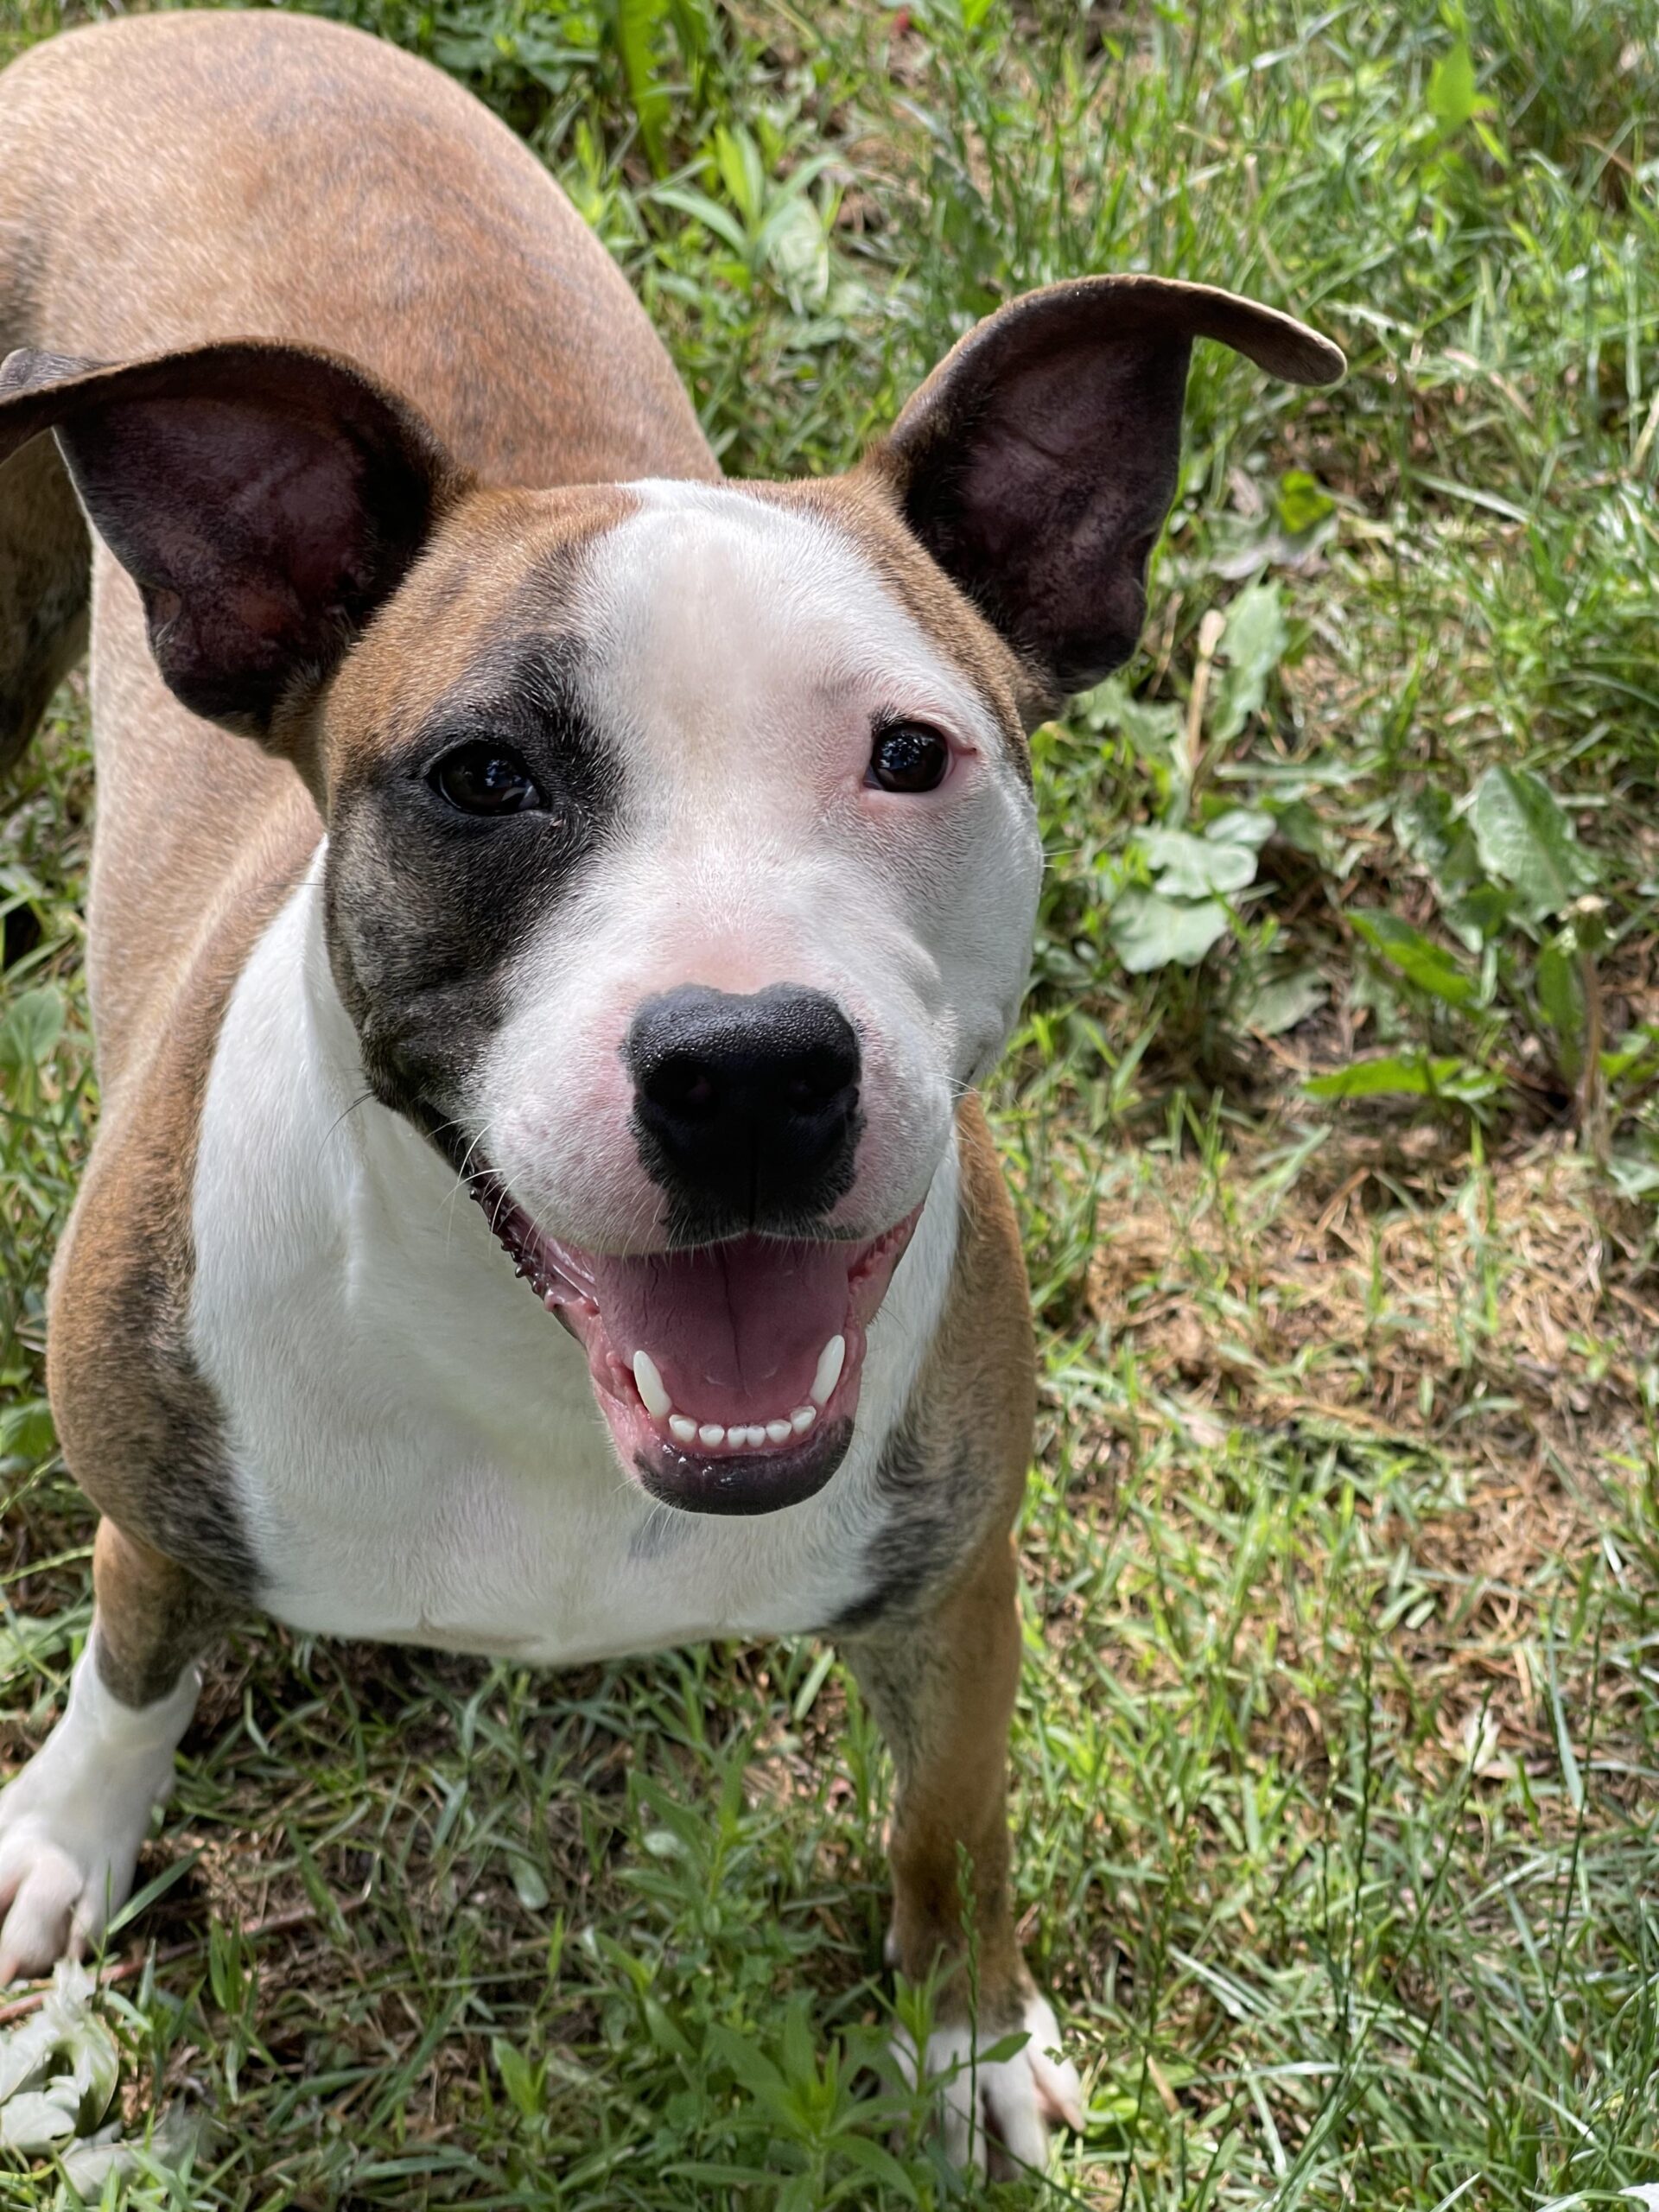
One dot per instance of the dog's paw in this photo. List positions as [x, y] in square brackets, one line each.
[997, 2114]
[72, 1822]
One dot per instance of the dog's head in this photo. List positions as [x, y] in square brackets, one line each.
[682, 859]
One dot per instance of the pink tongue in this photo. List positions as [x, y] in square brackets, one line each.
[735, 1329]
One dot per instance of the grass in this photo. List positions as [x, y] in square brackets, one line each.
[1337, 1752]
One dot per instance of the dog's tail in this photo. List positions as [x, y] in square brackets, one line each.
[45, 551]
[45, 578]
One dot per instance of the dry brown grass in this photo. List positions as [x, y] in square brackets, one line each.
[1505, 1314]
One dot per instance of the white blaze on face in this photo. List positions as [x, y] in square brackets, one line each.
[735, 655]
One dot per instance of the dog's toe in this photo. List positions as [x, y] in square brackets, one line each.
[1059, 2086]
[44, 1888]
[997, 2114]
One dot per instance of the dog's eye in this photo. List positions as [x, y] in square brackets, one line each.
[908, 757]
[484, 778]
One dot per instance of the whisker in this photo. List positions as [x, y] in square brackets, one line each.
[464, 1175]
[345, 1114]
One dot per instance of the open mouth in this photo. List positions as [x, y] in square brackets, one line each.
[729, 1373]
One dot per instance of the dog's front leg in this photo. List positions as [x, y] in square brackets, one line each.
[72, 1822]
[943, 1687]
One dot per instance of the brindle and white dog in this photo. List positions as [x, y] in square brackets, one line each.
[649, 857]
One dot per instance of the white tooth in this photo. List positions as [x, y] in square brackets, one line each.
[803, 1418]
[659, 1404]
[831, 1360]
[685, 1431]
[711, 1432]
[756, 1432]
[778, 1431]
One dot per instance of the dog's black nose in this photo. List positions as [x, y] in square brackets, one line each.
[745, 1108]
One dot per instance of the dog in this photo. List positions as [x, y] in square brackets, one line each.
[493, 802]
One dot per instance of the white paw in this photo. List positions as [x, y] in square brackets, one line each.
[997, 2114]
[72, 1822]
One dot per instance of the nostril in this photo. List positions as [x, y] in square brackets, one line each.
[683, 1087]
[819, 1081]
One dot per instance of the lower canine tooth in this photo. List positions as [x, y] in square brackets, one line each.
[649, 1384]
[681, 1429]
[711, 1432]
[803, 1418]
[831, 1360]
[778, 1431]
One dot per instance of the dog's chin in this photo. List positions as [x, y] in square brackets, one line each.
[757, 1481]
[728, 1374]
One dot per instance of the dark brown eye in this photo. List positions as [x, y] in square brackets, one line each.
[485, 778]
[908, 757]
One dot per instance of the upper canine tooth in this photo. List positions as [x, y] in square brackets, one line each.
[831, 1360]
[659, 1404]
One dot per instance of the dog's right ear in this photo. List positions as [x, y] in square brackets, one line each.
[265, 498]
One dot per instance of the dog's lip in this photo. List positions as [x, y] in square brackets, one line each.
[775, 1454]
[750, 1482]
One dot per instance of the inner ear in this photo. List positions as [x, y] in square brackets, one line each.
[266, 500]
[1047, 510]
[1038, 463]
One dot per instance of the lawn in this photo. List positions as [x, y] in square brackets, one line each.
[1334, 1123]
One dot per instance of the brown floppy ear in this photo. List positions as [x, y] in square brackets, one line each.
[1039, 460]
[265, 498]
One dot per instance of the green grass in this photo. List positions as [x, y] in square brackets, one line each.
[1337, 1753]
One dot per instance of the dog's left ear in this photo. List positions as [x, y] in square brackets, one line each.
[1039, 460]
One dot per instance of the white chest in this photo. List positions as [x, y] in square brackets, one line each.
[416, 1451]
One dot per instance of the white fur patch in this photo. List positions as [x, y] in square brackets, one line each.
[997, 2114]
[735, 657]
[72, 1822]
[417, 1451]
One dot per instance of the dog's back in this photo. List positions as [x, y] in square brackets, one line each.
[340, 194]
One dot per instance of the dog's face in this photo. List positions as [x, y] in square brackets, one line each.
[680, 897]
[681, 861]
